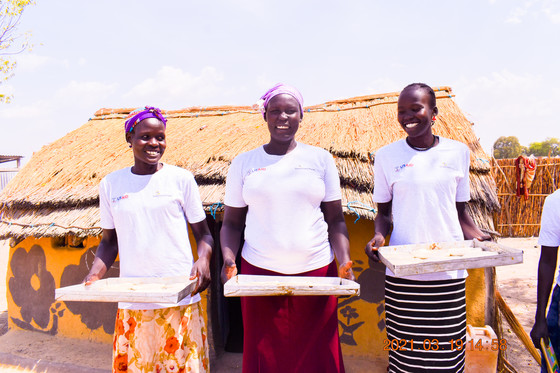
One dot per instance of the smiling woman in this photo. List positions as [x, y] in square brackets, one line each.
[429, 175]
[145, 211]
[284, 198]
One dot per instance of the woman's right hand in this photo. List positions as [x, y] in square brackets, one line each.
[90, 279]
[229, 269]
[539, 331]
[345, 271]
[372, 246]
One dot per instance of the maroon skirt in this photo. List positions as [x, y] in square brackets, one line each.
[291, 333]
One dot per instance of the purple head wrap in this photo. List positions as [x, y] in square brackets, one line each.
[140, 114]
[278, 89]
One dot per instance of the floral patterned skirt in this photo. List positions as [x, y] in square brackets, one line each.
[161, 340]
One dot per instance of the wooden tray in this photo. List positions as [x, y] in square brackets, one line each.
[406, 260]
[252, 285]
[130, 289]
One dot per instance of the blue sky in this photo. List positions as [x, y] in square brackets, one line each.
[501, 58]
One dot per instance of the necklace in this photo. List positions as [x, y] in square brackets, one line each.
[423, 149]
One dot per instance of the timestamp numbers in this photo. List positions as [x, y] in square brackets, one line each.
[450, 345]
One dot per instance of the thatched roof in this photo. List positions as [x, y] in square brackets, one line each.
[57, 191]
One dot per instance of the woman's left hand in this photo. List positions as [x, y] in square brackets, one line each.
[468, 226]
[345, 271]
[483, 237]
[201, 270]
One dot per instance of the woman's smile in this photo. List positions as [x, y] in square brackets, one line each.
[283, 116]
[148, 145]
[153, 153]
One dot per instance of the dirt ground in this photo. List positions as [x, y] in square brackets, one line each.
[518, 286]
[516, 283]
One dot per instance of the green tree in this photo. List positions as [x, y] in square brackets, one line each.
[542, 149]
[11, 40]
[508, 147]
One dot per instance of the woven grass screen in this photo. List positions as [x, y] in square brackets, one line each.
[520, 216]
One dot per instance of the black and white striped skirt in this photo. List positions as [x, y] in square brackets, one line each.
[426, 325]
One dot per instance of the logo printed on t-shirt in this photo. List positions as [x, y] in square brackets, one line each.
[404, 165]
[444, 164]
[117, 199]
[255, 170]
[303, 167]
[157, 193]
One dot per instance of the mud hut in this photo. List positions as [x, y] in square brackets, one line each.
[50, 210]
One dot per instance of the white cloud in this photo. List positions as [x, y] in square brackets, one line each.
[537, 8]
[384, 85]
[255, 7]
[509, 104]
[73, 97]
[173, 87]
[83, 94]
[551, 9]
[31, 126]
[516, 15]
[36, 123]
[39, 122]
[264, 83]
[30, 62]
[23, 112]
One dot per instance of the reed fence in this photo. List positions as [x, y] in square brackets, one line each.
[520, 216]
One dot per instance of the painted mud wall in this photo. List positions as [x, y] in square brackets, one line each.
[37, 266]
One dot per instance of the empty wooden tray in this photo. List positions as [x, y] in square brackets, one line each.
[130, 289]
[406, 260]
[252, 285]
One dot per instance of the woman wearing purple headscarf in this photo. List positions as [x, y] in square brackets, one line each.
[144, 214]
[284, 198]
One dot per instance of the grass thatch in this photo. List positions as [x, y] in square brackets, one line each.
[65, 175]
[520, 217]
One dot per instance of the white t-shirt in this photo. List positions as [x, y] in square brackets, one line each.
[424, 187]
[150, 214]
[285, 230]
[549, 234]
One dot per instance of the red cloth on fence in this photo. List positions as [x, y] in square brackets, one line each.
[525, 168]
[291, 333]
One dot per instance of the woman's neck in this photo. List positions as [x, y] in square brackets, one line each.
[423, 143]
[144, 169]
[279, 148]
